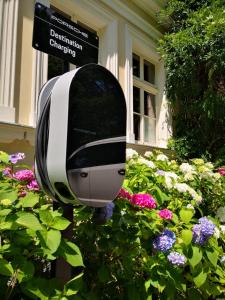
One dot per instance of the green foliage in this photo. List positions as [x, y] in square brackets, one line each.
[194, 55]
[31, 241]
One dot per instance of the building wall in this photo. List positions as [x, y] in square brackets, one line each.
[123, 27]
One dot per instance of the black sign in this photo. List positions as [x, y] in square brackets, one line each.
[54, 34]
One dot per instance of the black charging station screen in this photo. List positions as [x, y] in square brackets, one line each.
[97, 108]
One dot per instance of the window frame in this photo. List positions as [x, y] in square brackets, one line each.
[150, 88]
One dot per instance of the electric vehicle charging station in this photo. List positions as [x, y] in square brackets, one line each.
[81, 137]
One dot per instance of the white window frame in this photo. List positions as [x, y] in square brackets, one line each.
[144, 86]
[140, 43]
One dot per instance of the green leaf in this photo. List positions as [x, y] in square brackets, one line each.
[212, 256]
[186, 236]
[12, 196]
[71, 253]
[30, 200]
[200, 279]
[60, 223]
[29, 220]
[25, 270]
[73, 286]
[51, 239]
[4, 157]
[5, 212]
[186, 215]
[46, 216]
[5, 267]
[196, 257]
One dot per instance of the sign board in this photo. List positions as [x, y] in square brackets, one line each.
[57, 35]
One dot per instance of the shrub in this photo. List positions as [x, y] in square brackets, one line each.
[30, 237]
[164, 240]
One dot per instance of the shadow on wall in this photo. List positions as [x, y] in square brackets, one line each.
[20, 146]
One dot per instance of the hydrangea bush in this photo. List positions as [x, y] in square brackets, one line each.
[165, 239]
[30, 237]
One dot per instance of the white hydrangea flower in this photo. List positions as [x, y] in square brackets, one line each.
[222, 260]
[216, 176]
[190, 206]
[222, 229]
[186, 168]
[189, 176]
[146, 162]
[195, 195]
[130, 153]
[221, 214]
[148, 154]
[162, 157]
[182, 187]
[209, 165]
[168, 182]
[171, 174]
[216, 233]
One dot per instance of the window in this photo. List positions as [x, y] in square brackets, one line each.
[144, 100]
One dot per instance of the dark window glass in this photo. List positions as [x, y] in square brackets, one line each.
[136, 99]
[56, 66]
[149, 72]
[99, 155]
[136, 65]
[97, 108]
[137, 120]
[149, 105]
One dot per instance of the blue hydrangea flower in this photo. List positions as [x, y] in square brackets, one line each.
[102, 214]
[164, 241]
[176, 258]
[203, 231]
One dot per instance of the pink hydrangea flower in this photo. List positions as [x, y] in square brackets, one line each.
[165, 214]
[124, 194]
[221, 171]
[24, 175]
[144, 200]
[33, 185]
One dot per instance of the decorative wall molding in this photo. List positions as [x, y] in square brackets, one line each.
[8, 36]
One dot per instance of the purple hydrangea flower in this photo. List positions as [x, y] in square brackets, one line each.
[15, 157]
[176, 258]
[102, 214]
[160, 172]
[164, 241]
[24, 175]
[203, 231]
[33, 185]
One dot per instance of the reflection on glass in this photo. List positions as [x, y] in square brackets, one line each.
[149, 72]
[149, 130]
[137, 122]
[97, 108]
[149, 105]
[56, 66]
[136, 65]
[136, 99]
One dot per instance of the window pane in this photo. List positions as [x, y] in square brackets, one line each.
[149, 72]
[99, 155]
[136, 99]
[137, 122]
[149, 130]
[56, 66]
[136, 65]
[149, 105]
